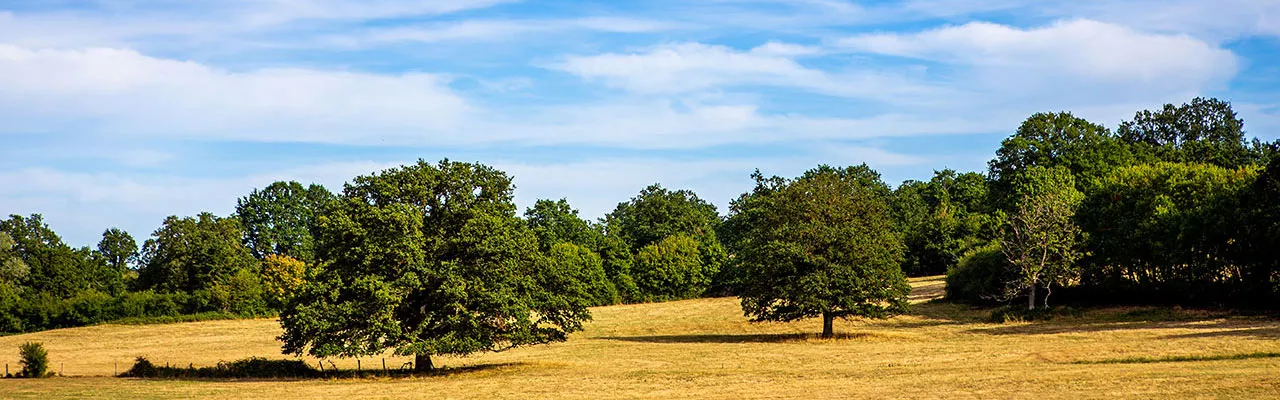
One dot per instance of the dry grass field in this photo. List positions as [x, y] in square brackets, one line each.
[706, 349]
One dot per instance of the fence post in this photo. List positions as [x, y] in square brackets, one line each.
[321, 365]
[384, 367]
[115, 368]
[358, 365]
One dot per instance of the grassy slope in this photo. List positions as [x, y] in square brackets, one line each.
[706, 349]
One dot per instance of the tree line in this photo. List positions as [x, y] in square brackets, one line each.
[1175, 206]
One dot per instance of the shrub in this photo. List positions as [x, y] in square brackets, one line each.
[980, 276]
[1017, 313]
[34, 359]
[671, 269]
[281, 277]
[253, 367]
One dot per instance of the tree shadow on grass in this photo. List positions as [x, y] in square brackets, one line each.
[747, 338]
[1267, 332]
[348, 374]
[1210, 326]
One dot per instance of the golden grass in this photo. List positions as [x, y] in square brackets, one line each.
[705, 348]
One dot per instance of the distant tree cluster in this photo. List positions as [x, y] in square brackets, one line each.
[1174, 206]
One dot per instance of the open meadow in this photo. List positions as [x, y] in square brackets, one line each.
[705, 348]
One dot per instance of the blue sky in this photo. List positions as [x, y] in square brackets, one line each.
[117, 113]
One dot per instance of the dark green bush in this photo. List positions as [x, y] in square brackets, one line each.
[1019, 313]
[253, 367]
[34, 359]
[980, 276]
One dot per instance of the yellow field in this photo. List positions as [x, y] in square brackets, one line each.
[706, 349]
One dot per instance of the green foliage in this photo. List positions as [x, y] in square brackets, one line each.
[282, 276]
[616, 259]
[1041, 239]
[52, 266]
[671, 269]
[280, 218]
[980, 276]
[119, 250]
[1008, 314]
[240, 294]
[1204, 131]
[190, 254]
[13, 271]
[556, 222]
[940, 220]
[656, 214]
[428, 259]
[583, 267]
[1086, 149]
[252, 367]
[1172, 228]
[821, 244]
[34, 359]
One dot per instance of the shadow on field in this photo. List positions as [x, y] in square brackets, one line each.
[191, 374]
[1209, 328]
[751, 338]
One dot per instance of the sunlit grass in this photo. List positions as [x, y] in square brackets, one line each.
[706, 348]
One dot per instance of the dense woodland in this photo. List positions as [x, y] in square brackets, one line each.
[1175, 206]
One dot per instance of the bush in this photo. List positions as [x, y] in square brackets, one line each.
[980, 276]
[671, 269]
[1018, 313]
[34, 359]
[253, 367]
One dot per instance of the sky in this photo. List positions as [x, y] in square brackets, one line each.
[118, 113]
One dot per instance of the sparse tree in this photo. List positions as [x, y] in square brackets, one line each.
[1040, 237]
[823, 244]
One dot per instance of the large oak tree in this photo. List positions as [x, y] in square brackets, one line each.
[823, 244]
[428, 260]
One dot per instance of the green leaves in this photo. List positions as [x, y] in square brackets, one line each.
[824, 243]
[279, 219]
[190, 254]
[1041, 239]
[431, 259]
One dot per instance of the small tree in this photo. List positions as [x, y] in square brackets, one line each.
[1040, 237]
[671, 269]
[281, 277]
[823, 244]
[34, 359]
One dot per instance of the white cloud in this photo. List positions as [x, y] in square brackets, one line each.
[1081, 48]
[693, 67]
[495, 30]
[124, 92]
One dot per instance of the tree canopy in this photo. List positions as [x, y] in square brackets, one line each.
[823, 244]
[279, 218]
[193, 253]
[430, 259]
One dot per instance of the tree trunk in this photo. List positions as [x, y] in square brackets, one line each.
[422, 363]
[827, 331]
[1031, 298]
